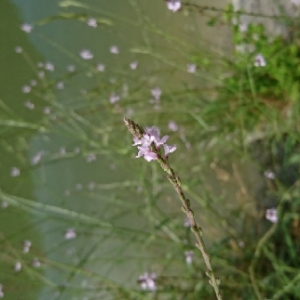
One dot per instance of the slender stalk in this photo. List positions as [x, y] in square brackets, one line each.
[138, 132]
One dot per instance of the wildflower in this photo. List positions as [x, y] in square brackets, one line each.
[70, 234]
[71, 68]
[26, 246]
[114, 98]
[49, 66]
[191, 68]
[60, 85]
[147, 281]
[92, 22]
[101, 67]
[86, 54]
[91, 157]
[295, 2]
[47, 110]
[271, 215]
[173, 5]
[156, 93]
[91, 185]
[1, 291]
[243, 27]
[79, 186]
[18, 49]
[36, 263]
[26, 27]
[152, 135]
[18, 266]
[133, 65]
[15, 172]
[189, 257]
[173, 126]
[259, 61]
[29, 104]
[269, 174]
[4, 204]
[37, 158]
[26, 89]
[114, 50]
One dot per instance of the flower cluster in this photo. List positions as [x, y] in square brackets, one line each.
[152, 135]
[147, 281]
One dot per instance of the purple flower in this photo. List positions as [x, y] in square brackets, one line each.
[152, 135]
[259, 61]
[26, 27]
[173, 5]
[271, 215]
[86, 54]
[147, 281]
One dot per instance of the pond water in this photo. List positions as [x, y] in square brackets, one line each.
[67, 183]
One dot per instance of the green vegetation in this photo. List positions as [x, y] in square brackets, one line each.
[97, 218]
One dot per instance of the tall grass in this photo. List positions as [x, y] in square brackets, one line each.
[97, 218]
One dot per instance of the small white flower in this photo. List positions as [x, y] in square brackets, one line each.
[79, 186]
[62, 151]
[86, 54]
[18, 49]
[71, 68]
[60, 85]
[189, 255]
[47, 110]
[41, 74]
[156, 93]
[114, 50]
[133, 65]
[191, 68]
[36, 263]
[70, 234]
[114, 98]
[26, 89]
[271, 215]
[18, 266]
[26, 27]
[101, 67]
[243, 27]
[15, 172]
[259, 61]
[1, 291]
[173, 126]
[92, 22]
[4, 204]
[295, 2]
[37, 158]
[49, 66]
[26, 246]
[29, 104]
[269, 174]
[91, 157]
[91, 185]
[147, 281]
[174, 5]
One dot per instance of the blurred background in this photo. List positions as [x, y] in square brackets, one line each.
[80, 217]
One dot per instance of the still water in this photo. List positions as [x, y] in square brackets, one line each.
[71, 221]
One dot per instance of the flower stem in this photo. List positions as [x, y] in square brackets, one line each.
[138, 132]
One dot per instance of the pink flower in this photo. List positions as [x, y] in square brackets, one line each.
[259, 61]
[173, 5]
[147, 281]
[152, 135]
[271, 215]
